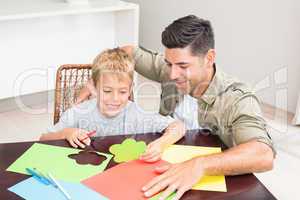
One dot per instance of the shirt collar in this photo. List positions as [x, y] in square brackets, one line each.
[218, 85]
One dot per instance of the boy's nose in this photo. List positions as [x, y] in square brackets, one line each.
[115, 96]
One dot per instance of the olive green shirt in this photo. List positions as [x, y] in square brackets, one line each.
[229, 108]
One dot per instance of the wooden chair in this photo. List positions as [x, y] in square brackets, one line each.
[70, 79]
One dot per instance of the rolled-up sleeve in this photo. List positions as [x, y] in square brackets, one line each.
[247, 123]
[149, 64]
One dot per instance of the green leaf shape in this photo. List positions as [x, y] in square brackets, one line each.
[128, 150]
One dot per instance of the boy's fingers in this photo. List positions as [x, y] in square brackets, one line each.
[153, 159]
[148, 155]
[79, 143]
[151, 156]
[87, 141]
[83, 137]
[73, 144]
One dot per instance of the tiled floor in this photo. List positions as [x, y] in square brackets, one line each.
[282, 181]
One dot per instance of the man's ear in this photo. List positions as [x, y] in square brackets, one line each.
[210, 57]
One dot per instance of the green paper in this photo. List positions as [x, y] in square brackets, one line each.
[128, 150]
[54, 159]
[156, 197]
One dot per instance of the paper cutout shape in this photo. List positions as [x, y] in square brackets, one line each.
[181, 153]
[124, 181]
[128, 150]
[88, 157]
[31, 189]
[54, 159]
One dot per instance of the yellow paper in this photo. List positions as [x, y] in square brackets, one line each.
[181, 153]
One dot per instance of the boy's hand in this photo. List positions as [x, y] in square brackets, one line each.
[75, 137]
[153, 152]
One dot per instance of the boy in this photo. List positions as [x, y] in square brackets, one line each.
[111, 112]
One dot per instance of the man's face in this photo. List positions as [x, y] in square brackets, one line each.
[113, 93]
[187, 70]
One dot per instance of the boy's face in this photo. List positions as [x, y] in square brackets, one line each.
[113, 93]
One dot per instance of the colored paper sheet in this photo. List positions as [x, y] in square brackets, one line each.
[128, 150]
[125, 180]
[54, 159]
[181, 153]
[31, 189]
[156, 197]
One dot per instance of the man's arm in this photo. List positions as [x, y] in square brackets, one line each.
[252, 151]
[253, 156]
[147, 63]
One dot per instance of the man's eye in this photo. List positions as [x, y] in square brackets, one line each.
[183, 66]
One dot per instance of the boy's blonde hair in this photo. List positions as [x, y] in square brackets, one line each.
[114, 61]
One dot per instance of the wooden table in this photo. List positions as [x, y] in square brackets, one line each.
[244, 187]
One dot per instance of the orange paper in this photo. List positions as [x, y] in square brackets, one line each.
[124, 181]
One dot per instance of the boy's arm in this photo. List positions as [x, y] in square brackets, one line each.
[147, 63]
[56, 131]
[75, 136]
[52, 136]
[174, 132]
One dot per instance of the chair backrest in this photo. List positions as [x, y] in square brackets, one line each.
[70, 79]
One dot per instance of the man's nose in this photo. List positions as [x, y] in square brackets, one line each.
[174, 73]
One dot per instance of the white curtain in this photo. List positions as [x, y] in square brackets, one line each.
[296, 120]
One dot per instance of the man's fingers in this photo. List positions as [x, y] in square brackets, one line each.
[158, 187]
[180, 193]
[153, 182]
[172, 188]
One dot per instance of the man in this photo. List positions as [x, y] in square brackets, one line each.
[225, 106]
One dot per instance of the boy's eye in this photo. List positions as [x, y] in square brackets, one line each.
[107, 91]
[123, 92]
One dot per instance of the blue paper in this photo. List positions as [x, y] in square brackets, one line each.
[31, 189]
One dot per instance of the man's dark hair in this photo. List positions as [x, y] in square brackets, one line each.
[189, 31]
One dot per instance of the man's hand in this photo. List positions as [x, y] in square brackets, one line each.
[128, 49]
[178, 177]
[87, 91]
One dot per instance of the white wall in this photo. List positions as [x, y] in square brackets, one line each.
[256, 41]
